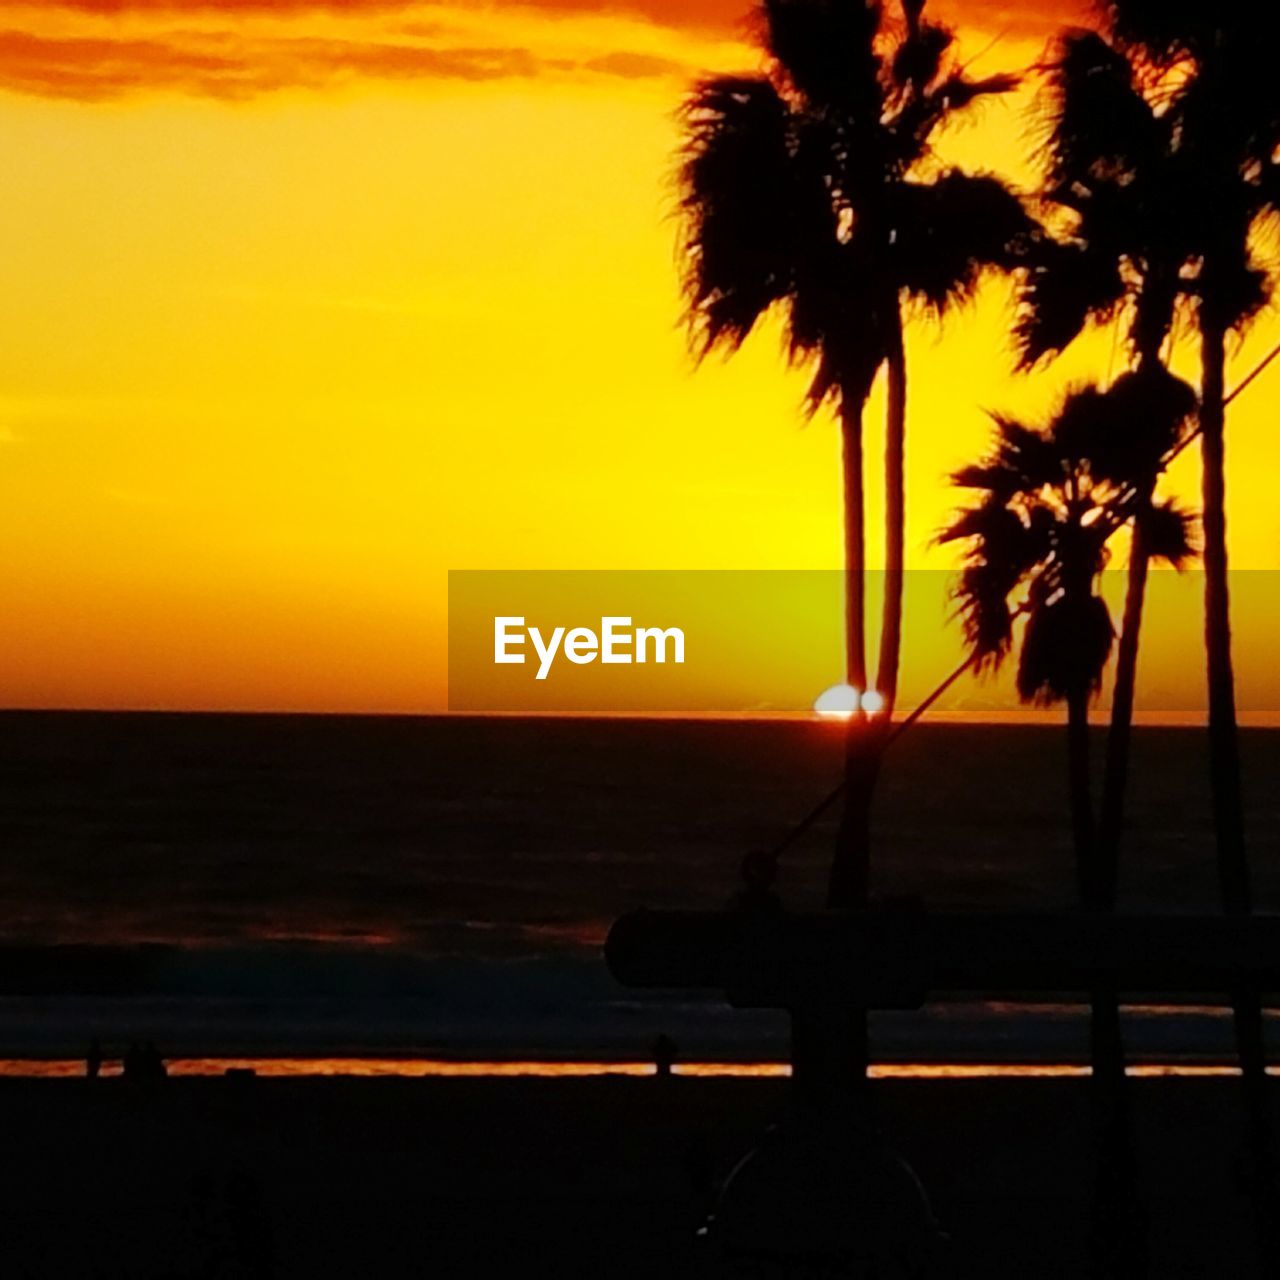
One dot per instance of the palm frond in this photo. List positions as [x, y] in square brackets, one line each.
[1102, 126]
[989, 476]
[826, 52]
[1061, 288]
[838, 315]
[1080, 429]
[1065, 647]
[1165, 30]
[1029, 455]
[918, 59]
[949, 232]
[739, 187]
[1151, 411]
[993, 525]
[909, 130]
[987, 617]
[1239, 289]
[1169, 533]
[1002, 549]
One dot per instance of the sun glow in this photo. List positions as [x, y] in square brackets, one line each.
[842, 701]
[872, 702]
[838, 702]
[280, 356]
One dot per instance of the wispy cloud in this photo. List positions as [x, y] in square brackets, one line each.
[94, 50]
[96, 68]
[725, 16]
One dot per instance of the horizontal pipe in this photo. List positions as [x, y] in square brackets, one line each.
[899, 958]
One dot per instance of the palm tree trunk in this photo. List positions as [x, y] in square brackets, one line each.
[829, 1049]
[1224, 769]
[1120, 731]
[894, 516]
[1083, 833]
[1224, 749]
[1119, 1228]
[848, 885]
[855, 550]
[1119, 1215]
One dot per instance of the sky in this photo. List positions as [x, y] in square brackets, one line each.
[306, 304]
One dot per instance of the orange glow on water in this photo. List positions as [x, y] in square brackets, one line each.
[435, 1068]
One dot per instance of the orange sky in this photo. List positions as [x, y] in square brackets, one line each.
[305, 304]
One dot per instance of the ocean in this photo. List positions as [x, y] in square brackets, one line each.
[440, 887]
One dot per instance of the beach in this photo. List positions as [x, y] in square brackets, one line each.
[415, 907]
[603, 1177]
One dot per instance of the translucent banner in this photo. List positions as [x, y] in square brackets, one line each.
[771, 643]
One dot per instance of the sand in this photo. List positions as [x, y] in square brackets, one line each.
[604, 1177]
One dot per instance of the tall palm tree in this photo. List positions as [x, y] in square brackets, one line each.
[1048, 501]
[1213, 65]
[810, 190]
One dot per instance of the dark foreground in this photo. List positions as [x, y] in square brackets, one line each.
[578, 1178]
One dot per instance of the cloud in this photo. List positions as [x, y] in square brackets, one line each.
[724, 16]
[96, 50]
[96, 69]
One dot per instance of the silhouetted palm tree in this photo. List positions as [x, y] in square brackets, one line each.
[809, 190]
[1212, 65]
[1036, 545]
[1114, 182]
[1050, 501]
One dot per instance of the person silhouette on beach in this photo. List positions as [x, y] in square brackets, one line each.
[93, 1059]
[143, 1064]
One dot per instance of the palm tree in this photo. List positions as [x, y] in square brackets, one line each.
[1050, 500]
[810, 190]
[1048, 503]
[1112, 183]
[1213, 66]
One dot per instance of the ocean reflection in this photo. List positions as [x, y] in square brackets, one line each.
[438, 1068]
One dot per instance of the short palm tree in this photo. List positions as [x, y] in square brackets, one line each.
[1049, 501]
[810, 190]
[1035, 545]
[1112, 189]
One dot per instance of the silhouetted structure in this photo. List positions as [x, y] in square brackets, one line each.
[142, 1063]
[152, 1064]
[664, 1056]
[93, 1059]
[899, 959]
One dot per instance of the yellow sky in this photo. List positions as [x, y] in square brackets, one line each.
[292, 325]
